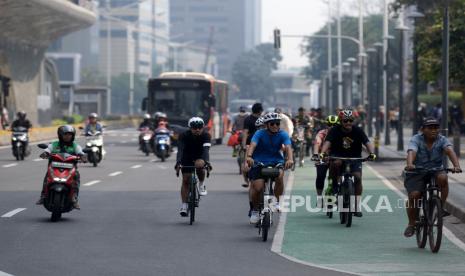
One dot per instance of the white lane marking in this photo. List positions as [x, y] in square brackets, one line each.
[124, 142]
[124, 135]
[451, 236]
[10, 165]
[90, 183]
[38, 159]
[153, 160]
[5, 274]
[12, 213]
[115, 173]
[162, 167]
[136, 166]
[134, 139]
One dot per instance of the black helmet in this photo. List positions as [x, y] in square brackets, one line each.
[66, 129]
[21, 115]
[242, 109]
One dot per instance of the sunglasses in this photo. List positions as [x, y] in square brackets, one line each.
[274, 123]
[347, 121]
[432, 127]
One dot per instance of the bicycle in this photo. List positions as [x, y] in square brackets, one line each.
[269, 173]
[193, 198]
[329, 191]
[240, 157]
[428, 225]
[346, 190]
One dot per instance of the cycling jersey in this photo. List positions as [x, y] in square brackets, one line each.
[192, 147]
[347, 144]
[268, 150]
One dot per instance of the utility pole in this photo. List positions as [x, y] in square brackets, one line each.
[209, 45]
[108, 60]
[387, 137]
[330, 62]
[339, 56]
[445, 69]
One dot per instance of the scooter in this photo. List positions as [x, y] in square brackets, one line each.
[146, 140]
[19, 143]
[94, 142]
[61, 177]
[162, 139]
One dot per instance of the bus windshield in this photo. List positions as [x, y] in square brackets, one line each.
[183, 103]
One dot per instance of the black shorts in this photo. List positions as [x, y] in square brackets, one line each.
[255, 173]
[416, 181]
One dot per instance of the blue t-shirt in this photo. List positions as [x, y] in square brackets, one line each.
[268, 150]
[428, 159]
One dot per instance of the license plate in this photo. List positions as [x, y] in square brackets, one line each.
[62, 165]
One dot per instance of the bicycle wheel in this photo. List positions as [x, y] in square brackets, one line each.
[343, 213]
[301, 155]
[192, 198]
[265, 226]
[421, 230]
[435, 223]
[350, 194]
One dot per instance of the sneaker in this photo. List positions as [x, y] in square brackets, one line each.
[358, 214]
[409, 231]
[203, 190]
[254, 217]
[319, 202]
[276, 207]
[245, 185]
[183, 211]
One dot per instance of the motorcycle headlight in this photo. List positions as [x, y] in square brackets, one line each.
[89, 145]
[13, 138]
[146, 138]
[94, 149]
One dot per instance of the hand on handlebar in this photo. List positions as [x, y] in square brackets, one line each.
[44, 155]
[372, 157]
[456, 170]
[249, 161]
[177, 168]
[84, 158]
[288, 164]
[315, 157]
[409, 167]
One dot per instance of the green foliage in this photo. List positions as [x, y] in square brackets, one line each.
[252, 71]
[73, 119]
[455, 97]
[59, 122]
[120, 92]
[429, 35]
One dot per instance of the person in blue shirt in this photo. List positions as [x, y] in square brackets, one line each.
[266, 147]
[93, 125]
[426, 150]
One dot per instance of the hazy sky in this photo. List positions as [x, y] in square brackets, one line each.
[296, 17]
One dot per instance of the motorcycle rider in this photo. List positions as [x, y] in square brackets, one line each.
[22, 121]
[146, 123]
[94, 126]
[193, 150]
[65, 144]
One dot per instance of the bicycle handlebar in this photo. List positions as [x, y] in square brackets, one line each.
[206, 167]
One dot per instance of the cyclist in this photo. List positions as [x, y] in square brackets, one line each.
[426, 150]
[305, 121]
[193, 150]
[65, 144]
[346, 140]
[322, 168]
[286, 122]
[265, 148]
[237, 128]
[249, 131]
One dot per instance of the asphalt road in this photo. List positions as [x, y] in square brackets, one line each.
[129, 222]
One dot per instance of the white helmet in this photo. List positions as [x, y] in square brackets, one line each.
[146, 116]
[259, 122]
[195, 122]
[272, 116]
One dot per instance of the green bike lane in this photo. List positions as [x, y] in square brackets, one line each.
[374, 245]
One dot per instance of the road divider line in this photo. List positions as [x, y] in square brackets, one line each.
[279, 235]
[153, 160]
[37, 159]
[5, 274]
[115, 173]
[90, 183]
[162, 167]
[136, 166]
[451, 236]
[124, 135]
[134, 139]
[124, 142]
[12, 213]
[10, 165]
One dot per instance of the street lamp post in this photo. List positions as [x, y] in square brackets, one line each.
[400, 133]
[445, 69]
[351, 61]
[414, 16]
[370, 90]
[379, 48]
[346, 90]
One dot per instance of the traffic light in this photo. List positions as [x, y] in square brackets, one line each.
[277, 38]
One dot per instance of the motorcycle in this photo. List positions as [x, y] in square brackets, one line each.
[146, 138]
[162, 148]
[60, 179]
[94, 142]
[19, 143]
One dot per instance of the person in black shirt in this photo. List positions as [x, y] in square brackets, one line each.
[193, 150]
[21, 121]
[346, 140]
[248, 132]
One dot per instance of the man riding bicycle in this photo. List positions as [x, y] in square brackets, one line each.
[193, 150]
[346, 140]
[426, 151]
[265, 148]
[322, 168]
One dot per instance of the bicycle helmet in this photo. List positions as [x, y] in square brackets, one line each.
[259, 122]
[332, 120]
[346, 114]
[196, 122]
[272, 116]
[93, 115]
[62, 130]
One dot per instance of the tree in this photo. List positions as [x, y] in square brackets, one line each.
[120, 92]
[252, 71]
